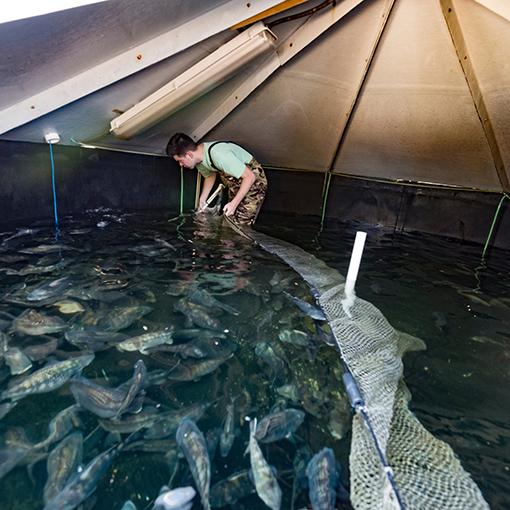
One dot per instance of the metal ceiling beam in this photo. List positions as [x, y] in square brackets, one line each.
[131, 61]
[307, 32]
[453, 24]
[378, 31]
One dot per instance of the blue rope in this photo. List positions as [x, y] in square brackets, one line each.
[54, 191]
[55, 199]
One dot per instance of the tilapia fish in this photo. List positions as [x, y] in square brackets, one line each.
[33, 323]
[308, 309]
[62, 462]
[322, 480]
[47, 379]
[194, 370]
[84, 483]
[204, 298]
[169, 421]
[264, 479]
[124, 317]
[103, 402]
[231, 489]
[228, 430]
[192, 444]
[199, 315]
[50, 289]
[145, 342]
[279, 425]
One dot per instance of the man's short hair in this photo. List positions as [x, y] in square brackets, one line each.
[179, 144]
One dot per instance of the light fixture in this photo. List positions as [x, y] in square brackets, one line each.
[207, 74]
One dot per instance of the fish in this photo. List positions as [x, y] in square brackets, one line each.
[144, 342]
[46, 379]
[103, 402]
[212, 439]
[47, 248]
[176, 499]
[204, 298]
[94, 340]
[40, 351]
[307, 308]
[199, 315]
[276, 278]
[338, 424]
[294, 336]
[264, 479]
[10, 458]
[96, 293]
[192, 443]
[214, 347]
[277, 426]
[166, 446]
[300, 462]
[5, 408]
[185, 351]
[60, 426]
[322, 480]
[11, 259]
[194, 370]
[124, 317]
[191, 333]
[30, 269]
[31, 322]
[50, 289]
[267, 354]
[21, 232]
[289, 391]
[138, 381]
[177, 288]
[17, 361]
[164, 243]
[84, 483]
[145, 419]
[69, 306]
[149, 250]
[61, 464]
[168, 423]
[228, 430]
[232, 489]
[264, 319]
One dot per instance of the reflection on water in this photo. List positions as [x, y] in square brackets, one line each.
[250, 351]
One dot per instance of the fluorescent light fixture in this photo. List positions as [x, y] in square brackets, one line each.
[207, 74]
[28, 8]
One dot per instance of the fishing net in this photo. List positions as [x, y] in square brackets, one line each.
[426, 471]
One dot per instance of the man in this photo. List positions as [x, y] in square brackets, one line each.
[237, 168]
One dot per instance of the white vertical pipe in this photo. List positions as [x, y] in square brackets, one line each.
[352, 273]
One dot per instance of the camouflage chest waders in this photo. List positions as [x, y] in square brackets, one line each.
[249, 207]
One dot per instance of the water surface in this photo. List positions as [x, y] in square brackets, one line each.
[423, 285]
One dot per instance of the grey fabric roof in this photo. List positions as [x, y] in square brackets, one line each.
[391, 89]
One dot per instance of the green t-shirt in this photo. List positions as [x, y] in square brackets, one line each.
[227, 156]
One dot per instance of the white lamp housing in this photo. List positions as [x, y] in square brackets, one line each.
[207, 74]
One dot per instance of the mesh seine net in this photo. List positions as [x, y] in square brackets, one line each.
[426, 471]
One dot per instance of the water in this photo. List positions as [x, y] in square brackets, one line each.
[422, 284]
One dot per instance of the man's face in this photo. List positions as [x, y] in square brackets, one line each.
[188, 160]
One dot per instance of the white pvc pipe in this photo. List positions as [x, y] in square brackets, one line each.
[357, 252]
[352, 272]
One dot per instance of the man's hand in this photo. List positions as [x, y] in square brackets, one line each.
[202, 204]
[230, 208]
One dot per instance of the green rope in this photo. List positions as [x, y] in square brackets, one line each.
[483, 265]
[326, 193]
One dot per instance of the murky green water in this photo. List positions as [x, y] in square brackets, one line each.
[423, 285]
